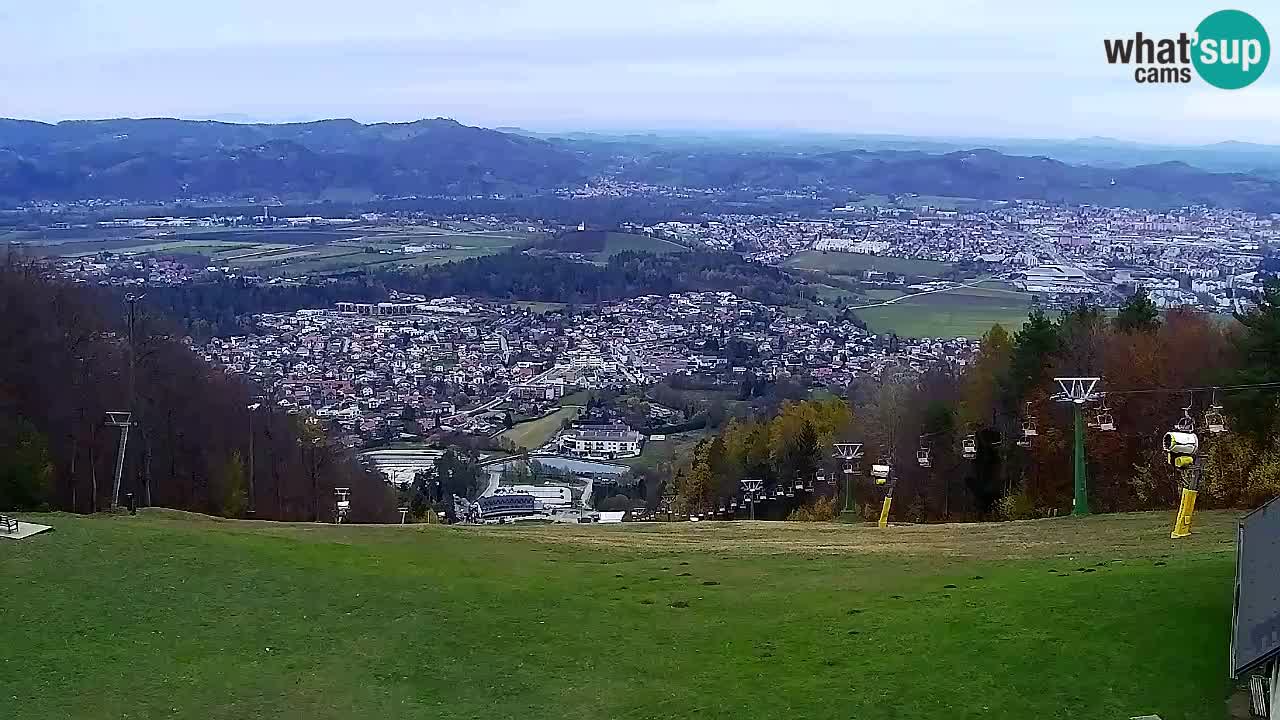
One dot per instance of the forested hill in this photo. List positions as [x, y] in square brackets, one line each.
[165, 159]
[523, 276]
[160, 159]
[224, 306]
[64, 363]
[981, 173]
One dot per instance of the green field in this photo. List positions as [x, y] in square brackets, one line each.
[599, 246]
[83, 248]
[966, 312]
[843, 263]
[882, 294]
[539, 307]
[172, 615]
[535, 433]
[656, 452]
[622, 242]
[293, 252]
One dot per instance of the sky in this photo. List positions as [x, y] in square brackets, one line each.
[945, 68]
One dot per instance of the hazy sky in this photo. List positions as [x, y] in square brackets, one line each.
[957, 67]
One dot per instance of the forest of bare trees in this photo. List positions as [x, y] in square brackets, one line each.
[66, 359]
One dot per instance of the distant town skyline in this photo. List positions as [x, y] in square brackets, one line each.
[962, 69]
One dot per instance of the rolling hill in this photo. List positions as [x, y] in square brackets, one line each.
[165, 159]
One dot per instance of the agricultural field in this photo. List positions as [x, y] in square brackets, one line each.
[169, 614]
[843, 263]
[539, 307]
[290, 252]
[873, 294]
[599, 245]
[622, 242]
[535, 433]
[965, 312]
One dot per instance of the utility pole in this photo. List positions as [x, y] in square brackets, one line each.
[1078, 391]
[1080, 505]
[132, 300]
[253, 408]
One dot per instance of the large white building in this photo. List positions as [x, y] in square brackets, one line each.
[1057, 280]
[548, 496]
[601, 441]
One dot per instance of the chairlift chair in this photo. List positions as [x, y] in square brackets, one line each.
[880, 472]
[1024, 442]
[1105, 421]
[1186, 423]
[1029, 428]
[1214, 420]
[799, 484]
[922, 458]
[848, 468]
[969, 447]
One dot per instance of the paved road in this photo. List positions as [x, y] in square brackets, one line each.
[498, 400]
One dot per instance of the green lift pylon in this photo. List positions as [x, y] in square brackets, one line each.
[1078, 391]
[1081, 504]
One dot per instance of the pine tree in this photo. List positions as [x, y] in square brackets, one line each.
[1138, 314]
[1033, 346]
[1258, 348]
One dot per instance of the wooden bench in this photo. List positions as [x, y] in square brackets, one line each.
[8, 525]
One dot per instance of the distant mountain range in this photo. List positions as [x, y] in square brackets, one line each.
[163, 159]
[1227, 156]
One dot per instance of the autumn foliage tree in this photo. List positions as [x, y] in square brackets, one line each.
[65, 360]
[1154, 369]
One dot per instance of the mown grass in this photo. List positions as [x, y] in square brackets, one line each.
[622, 242]
[843, 263]
[535, 433]
[168, 615]
[915, 320]
[963, 312]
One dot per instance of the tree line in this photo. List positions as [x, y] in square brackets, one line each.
[517, 275]
[1146, 361]
[222, 306]
[66, 359]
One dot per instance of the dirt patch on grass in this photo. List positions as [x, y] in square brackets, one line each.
[1121, 535]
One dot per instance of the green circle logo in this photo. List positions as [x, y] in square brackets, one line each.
[1232, 49]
